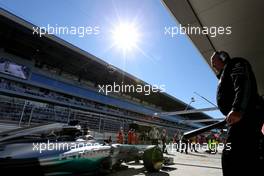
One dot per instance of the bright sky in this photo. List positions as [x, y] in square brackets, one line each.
[151, 55]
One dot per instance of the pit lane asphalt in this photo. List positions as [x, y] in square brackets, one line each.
[192, 164]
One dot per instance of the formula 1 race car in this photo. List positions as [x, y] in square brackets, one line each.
[59, 149]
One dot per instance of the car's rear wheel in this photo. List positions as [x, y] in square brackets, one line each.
[153, 159]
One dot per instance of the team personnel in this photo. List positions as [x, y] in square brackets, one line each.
[238, 100]
[120, 136]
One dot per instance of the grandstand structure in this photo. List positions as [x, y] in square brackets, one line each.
[46, 79]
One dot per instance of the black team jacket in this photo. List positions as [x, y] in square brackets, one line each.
[237, 89]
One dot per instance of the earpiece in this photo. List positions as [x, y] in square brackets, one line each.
[224, 56]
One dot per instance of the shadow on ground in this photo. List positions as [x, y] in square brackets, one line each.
[141, 171]
[195, 165]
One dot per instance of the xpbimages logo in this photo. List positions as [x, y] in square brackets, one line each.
[80, 31]
[212, 147]
[62, 146]
[212, 31]
[126, 88]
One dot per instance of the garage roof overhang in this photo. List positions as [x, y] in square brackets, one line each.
[243, 16]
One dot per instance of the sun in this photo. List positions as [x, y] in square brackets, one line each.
[125, 36]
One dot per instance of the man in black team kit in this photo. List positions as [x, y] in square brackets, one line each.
[238, 100]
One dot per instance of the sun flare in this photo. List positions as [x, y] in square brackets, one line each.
[125, 36]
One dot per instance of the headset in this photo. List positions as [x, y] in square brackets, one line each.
[224, 56]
